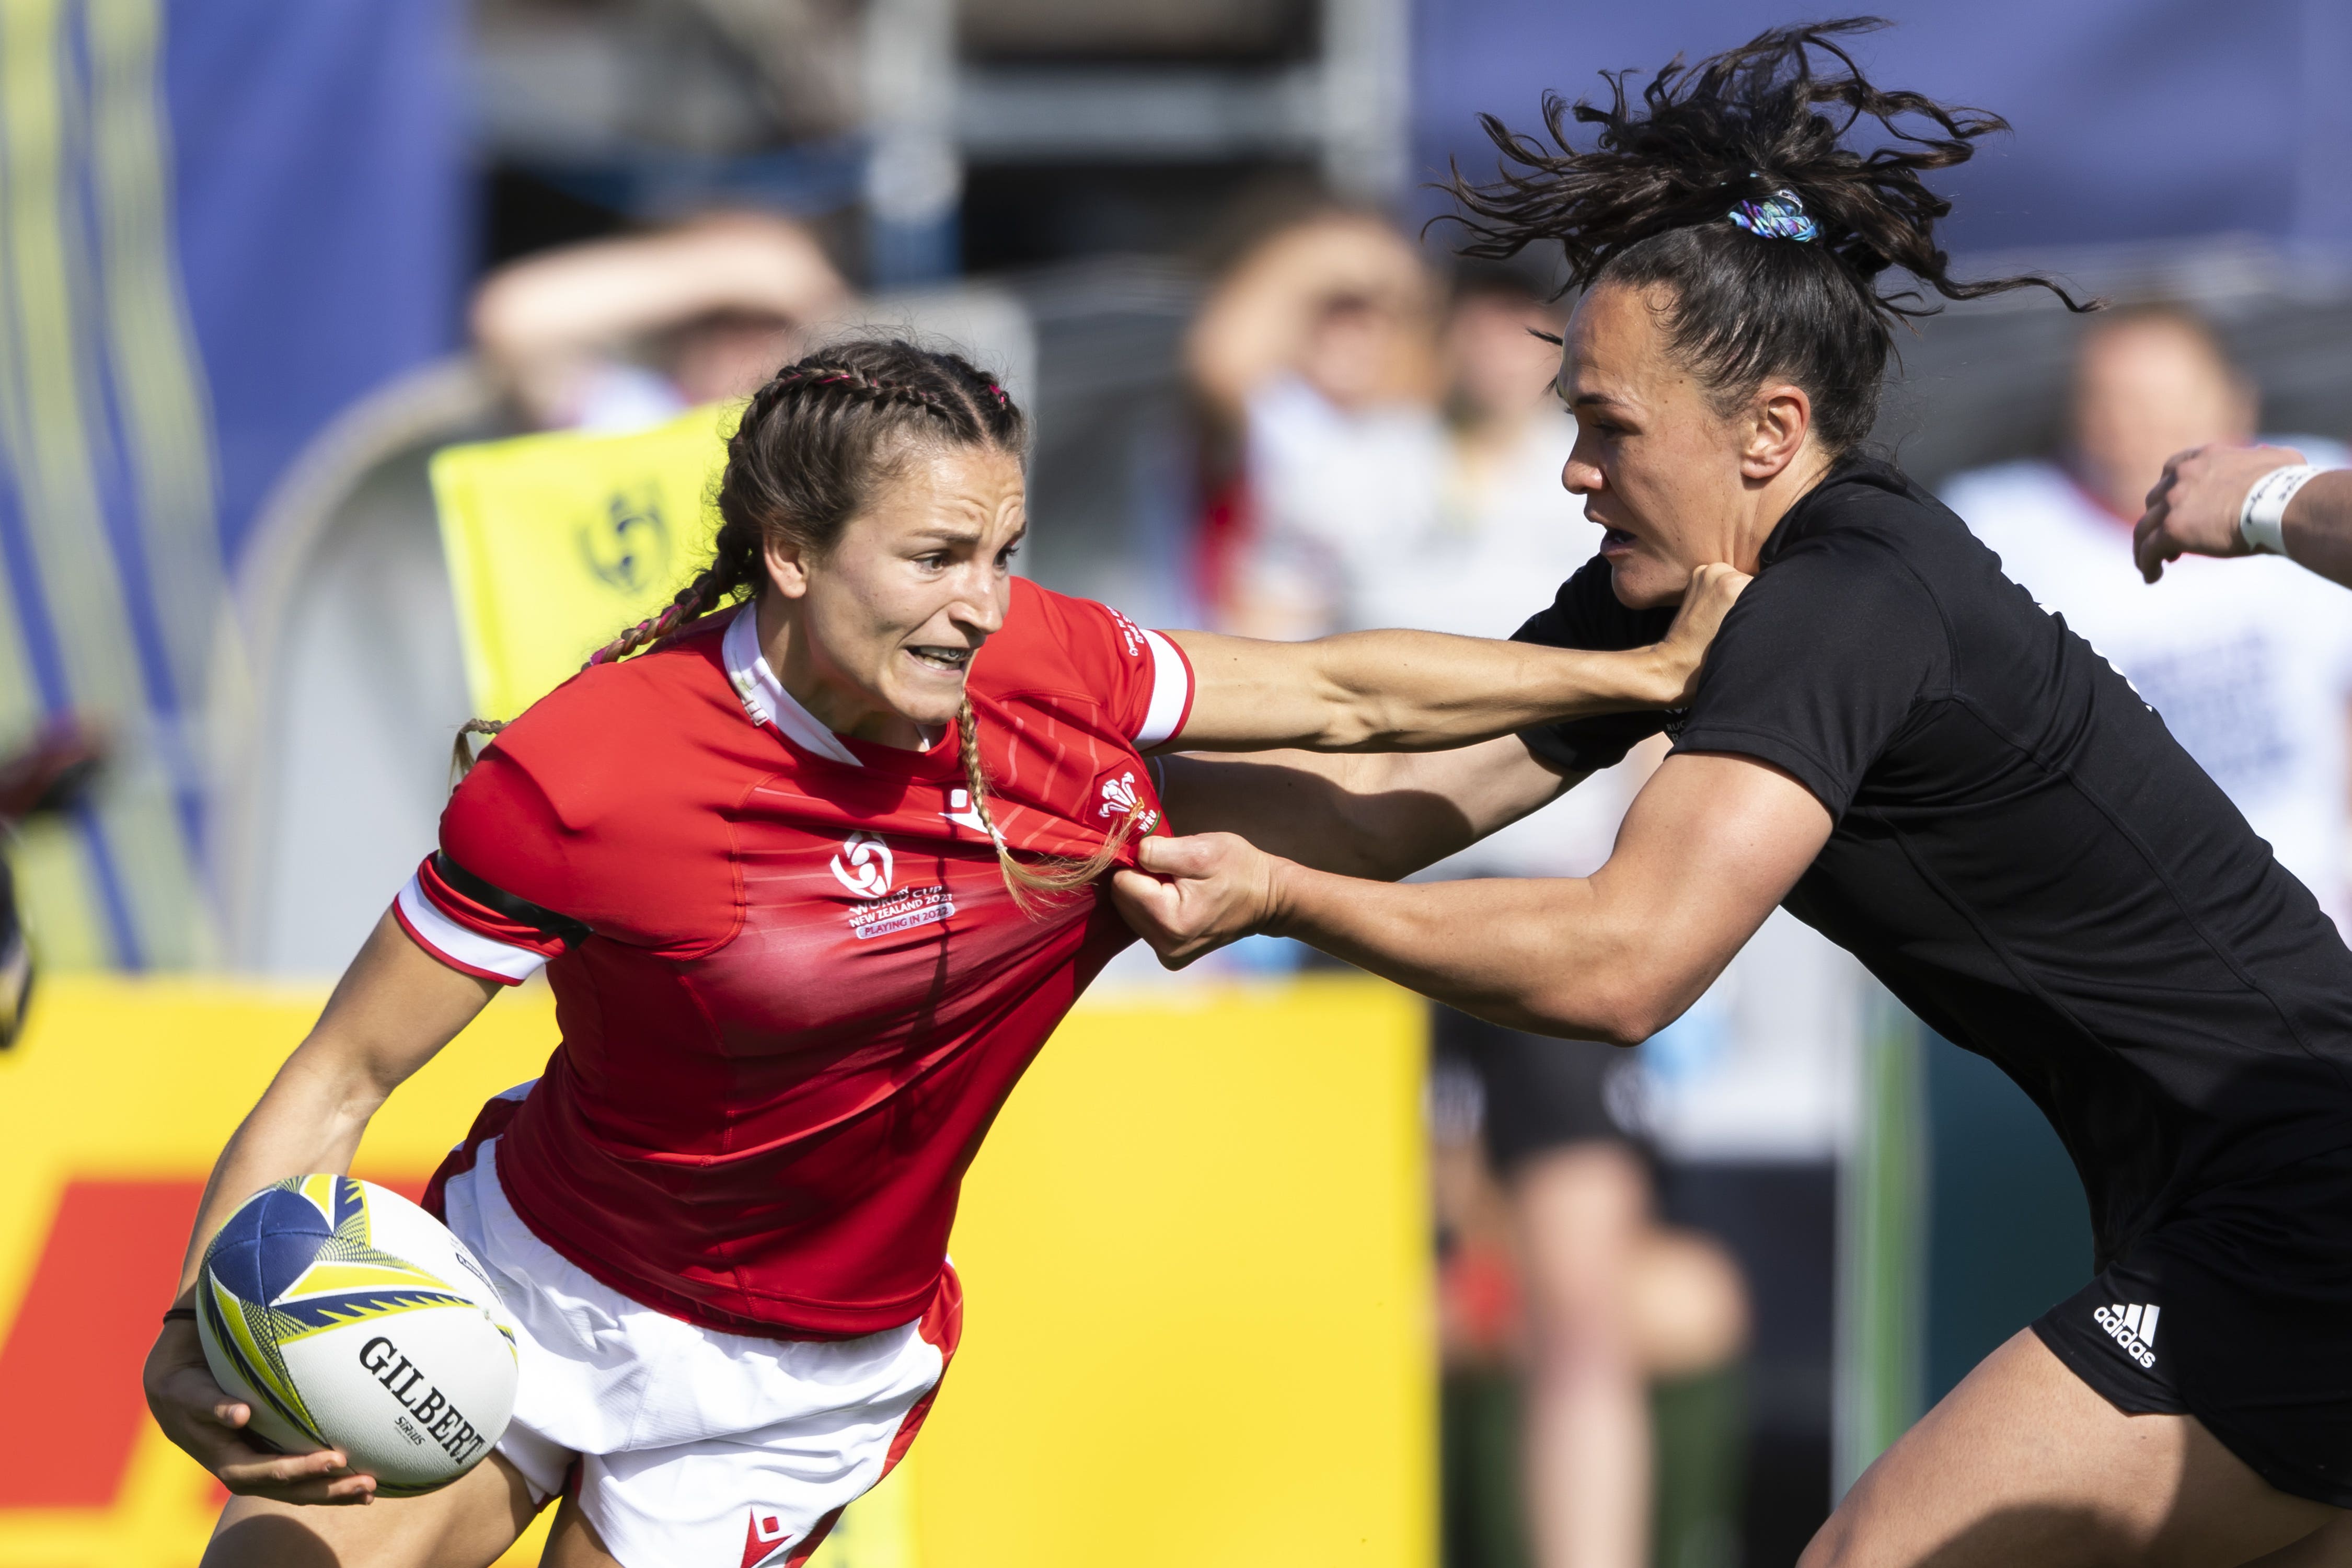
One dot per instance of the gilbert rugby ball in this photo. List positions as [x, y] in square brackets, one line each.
[348, 1318]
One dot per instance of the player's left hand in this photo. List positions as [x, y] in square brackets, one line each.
[1194, 895]
[1713, 590]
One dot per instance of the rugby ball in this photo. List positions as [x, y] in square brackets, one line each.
[348, 1318]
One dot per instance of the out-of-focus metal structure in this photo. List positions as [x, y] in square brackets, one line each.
[1064, 81]
[651, 106]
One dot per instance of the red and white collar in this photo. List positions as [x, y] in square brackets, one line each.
[765, 699]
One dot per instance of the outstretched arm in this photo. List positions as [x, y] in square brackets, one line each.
[2195, 508]
[1412, 691]
[1712, 843]
[394, 1009]
[1376, 815]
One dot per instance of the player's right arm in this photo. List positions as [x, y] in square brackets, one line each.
[1379, 815]
[395, 1006]
[2195, 507]
[1421, 691]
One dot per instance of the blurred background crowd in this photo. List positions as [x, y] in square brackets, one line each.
[261, 260]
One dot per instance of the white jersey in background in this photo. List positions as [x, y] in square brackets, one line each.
[2249, 662]
[1367, 519]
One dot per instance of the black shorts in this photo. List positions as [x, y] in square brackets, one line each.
[2237, 1311]
[1541, 1094]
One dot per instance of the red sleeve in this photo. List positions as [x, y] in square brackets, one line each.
[1141, 677]
[600, 812]
[490, 903]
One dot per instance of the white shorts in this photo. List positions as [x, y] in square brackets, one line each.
[685, 1444]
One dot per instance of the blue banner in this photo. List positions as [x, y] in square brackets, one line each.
[2134, 119]
[220, 222]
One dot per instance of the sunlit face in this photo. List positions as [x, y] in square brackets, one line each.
[886, 623]
[1660, 470]
[2143, 391]
[1354, 348]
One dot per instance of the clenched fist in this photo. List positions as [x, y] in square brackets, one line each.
[2193, 510]
[1194, 895]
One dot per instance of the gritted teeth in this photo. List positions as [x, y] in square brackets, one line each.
[943, 658]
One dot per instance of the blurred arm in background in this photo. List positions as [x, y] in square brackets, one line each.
[710, 308]
[2194, 511]
[1315, 363]
[1261, 323]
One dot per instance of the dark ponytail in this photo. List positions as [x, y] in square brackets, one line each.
[1650, 204]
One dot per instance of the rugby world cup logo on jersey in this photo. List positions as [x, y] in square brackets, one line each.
[2132, 1328]
[865, 865]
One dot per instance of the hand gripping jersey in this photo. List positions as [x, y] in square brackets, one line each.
[792, 988]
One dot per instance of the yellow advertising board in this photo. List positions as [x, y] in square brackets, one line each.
[1194, 1250]
[556, 542]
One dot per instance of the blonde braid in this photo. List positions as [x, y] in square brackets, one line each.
[1053, 875]
[461, 755]
[693, 602]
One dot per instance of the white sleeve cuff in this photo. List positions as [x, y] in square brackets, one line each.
[462, 948]
[1171, 693]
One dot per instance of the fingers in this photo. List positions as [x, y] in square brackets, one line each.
[2148, 549]
[1189, 856]
[209, 1423]
[1150, 908]
[319, 1479]
[324, 1476]
[1137, 894]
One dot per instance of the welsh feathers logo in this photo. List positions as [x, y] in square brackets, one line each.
[1120, 798]
[864, 866]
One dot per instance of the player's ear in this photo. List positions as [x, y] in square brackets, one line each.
[788, 567]
[1774, 427]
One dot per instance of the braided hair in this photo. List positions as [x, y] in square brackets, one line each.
[810, 449]
[1730, 185]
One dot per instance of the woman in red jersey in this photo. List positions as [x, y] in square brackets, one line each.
[811, 885]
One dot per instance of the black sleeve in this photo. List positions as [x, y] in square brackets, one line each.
[1586, 614]
[1820, 664]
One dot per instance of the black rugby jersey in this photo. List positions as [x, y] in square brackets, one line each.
[2023, 853]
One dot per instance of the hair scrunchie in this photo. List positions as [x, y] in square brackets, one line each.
[1779, 216]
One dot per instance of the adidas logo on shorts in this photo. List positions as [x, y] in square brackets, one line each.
[2133, 1328]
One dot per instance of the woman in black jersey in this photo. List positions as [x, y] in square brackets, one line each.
[1893, 740]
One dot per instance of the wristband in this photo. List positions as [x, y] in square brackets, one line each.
[2261, 517]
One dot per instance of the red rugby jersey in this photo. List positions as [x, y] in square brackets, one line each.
[797, 990]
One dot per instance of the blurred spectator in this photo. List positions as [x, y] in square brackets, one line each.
[622, 333]
[1381, 496]
[1319, 350]
[2249, 662]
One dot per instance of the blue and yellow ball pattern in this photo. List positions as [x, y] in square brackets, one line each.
[348, 1318]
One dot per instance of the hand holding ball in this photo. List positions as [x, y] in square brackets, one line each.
[348, 1318]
